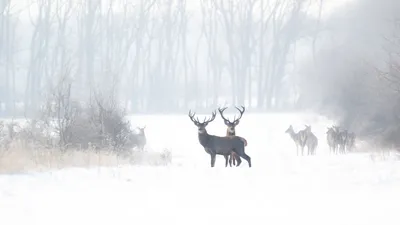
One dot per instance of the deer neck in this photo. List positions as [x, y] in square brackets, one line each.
[292, 134]
[230, 132]
[203, 137]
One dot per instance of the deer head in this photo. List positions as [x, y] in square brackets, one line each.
[308, 129]
[201, 125]
[290, 130]
[330, 130]
[141, 130]
[336, 129]
[235, 122]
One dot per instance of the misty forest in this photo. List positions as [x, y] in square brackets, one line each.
[62, 58]
[200, 112]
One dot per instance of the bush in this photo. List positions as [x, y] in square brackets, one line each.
[67, 132]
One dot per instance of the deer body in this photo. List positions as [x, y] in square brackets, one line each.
[233, 157]
[216, 145]
[311, 141]
[351, 139]
[342, 141]
[299, 138]
[139, 140]
[230, 132]
[332, 140]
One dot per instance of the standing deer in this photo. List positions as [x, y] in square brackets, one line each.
[311, 141]
[332, 139]
[139, 140]
[299, 138]
[351, 139]
[216, 145]
[230, 131]
[342, 137]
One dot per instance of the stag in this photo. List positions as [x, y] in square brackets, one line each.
[216, 145]
[311, 141]
[299, 138]
[230, 131]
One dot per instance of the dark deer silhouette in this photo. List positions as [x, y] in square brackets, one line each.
[230, 131]
[216, 145]
[341, 139]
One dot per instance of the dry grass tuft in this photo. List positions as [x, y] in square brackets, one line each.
[21, 159]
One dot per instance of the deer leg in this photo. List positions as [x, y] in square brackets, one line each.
[213, 156]
[226, 161]
[236, 157]
[247, 158]
[231, 159]
[239, 161]
[233, 156]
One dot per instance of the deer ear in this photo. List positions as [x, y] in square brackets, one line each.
[237, 122]
[226, 122]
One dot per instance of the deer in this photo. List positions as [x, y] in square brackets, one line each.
[332, 139]
[351, 139]
[299, 138]
[230, 131]
[139, 140]
[311, 141]
[342, 139]
[216, 145]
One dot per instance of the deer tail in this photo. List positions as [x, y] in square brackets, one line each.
[244, 141]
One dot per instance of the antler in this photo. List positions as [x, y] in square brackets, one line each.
[196, 121]
[191, 117]
[221, 112]
[212, 117]
[241, 113]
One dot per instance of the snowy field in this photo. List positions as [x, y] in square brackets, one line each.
[280, 188]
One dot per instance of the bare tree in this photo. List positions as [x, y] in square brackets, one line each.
[7, 48]
[39, 53]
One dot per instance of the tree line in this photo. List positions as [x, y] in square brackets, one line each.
[159, 55]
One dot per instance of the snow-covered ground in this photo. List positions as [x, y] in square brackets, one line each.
[280, 188]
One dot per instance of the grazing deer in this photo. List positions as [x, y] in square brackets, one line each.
[216, 145]
[311, 141]
[299, 138]
[332, 139]
[230, 131]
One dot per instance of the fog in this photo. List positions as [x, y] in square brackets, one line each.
[337, 58]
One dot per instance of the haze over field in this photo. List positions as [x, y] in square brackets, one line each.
[95, 95]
